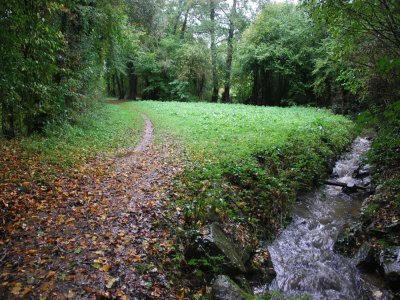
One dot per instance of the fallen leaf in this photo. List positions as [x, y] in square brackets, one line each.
[106, 268]
[71, 294]
[16, 289]
[26, 291]
[50, 274]
[111, 281]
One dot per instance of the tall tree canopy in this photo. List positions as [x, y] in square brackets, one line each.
[58, 55]
[276, 57]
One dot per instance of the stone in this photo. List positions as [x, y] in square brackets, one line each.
[243, 283]
[390, 262]
[214, 242]
[379, 189]
[365, 259]
[227, 247]
[363, 171]
[224, 288]
[261, 269]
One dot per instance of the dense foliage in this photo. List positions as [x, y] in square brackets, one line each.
[52, 55]
[363, 45]
[58, 55]
[277, 54]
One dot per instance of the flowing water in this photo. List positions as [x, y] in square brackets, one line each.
[303, 255]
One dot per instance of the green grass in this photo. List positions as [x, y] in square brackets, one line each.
[248, 162]
[227, 132]
[105, 129]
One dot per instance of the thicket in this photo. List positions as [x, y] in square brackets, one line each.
[52, 58]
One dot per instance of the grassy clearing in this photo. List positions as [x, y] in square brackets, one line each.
[103, 130]
[229, 132]
[248, 162]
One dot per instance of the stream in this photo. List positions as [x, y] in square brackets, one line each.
[303, 255]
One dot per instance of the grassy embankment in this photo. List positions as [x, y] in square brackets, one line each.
[103, 130]
[247, 163]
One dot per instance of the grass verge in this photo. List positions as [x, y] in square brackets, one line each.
[247, 163]
[105, 129]
[32, 168]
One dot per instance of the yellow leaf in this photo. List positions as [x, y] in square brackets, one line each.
[26, 291]
[105, 268]
[111, 282]
[16, 289]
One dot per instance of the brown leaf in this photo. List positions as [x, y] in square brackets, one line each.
[16, 289]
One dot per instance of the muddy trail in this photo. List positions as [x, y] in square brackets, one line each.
[100, 232]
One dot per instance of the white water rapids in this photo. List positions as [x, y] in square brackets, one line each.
[303, 255]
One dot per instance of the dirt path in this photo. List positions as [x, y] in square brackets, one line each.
[148, 135]
[97, 234]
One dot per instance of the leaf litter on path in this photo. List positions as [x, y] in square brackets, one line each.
[98, 231]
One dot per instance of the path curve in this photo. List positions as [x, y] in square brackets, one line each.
[105, 232]
[148, 135]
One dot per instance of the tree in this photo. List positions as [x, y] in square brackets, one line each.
[213, 48]
[278, 50]
[52, 58]
[29, 43]
[229, 52]
[364, 36]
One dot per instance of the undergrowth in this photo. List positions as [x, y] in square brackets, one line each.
[384, 209]
[105, 129]
[247, 163]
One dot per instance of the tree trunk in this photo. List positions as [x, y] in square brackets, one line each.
[214, 97]
[34, 119]
[184, 25]
[228, 68]
[200, 85]
[111, 86]
[7, 120]
[266, 87]
[132, 82]
[120, 87]
[254, 95]
[178, 16]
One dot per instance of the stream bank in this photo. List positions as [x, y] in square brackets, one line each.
[303, 261]
[303, 254]
[373, 240]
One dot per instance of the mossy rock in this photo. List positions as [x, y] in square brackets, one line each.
[224, 288]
